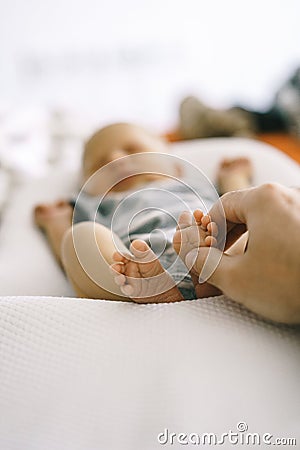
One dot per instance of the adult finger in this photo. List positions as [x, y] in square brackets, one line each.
[232, 205]
[216, 267]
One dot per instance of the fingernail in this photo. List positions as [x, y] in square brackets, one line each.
[191, 258]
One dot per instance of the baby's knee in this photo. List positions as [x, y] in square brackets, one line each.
[88, 239]
[74, 237]
[76, 229]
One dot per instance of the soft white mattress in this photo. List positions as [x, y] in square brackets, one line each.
[86, 375]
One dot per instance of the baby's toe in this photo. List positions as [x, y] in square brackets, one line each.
[198, 214]
[120, 279]
[142, 252]
[117, 268]
[177, 241]
[118, 257]
[132, 270]
[138, 246]
[210, 241]
[117, 272]
[42, 211]
[61, 204]
[212, 228]
[205, 221]
[127, 290]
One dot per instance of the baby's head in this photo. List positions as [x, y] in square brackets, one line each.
[114, 142]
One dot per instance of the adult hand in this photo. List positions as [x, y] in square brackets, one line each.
[266, 277]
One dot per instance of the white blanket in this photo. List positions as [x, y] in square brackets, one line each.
[91, 374]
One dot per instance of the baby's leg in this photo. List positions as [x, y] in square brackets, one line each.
[87, 253]
[86, 264]
[142, 277]
[54, 219]
[193, 232]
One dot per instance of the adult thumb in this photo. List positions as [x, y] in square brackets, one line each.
[214, 266]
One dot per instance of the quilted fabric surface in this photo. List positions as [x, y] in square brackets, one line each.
[86, 375]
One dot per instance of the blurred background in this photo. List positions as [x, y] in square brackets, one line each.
[70, 66]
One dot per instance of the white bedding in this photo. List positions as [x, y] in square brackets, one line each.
[96, 375]
[88, 375]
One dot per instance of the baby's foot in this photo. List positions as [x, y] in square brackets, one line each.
[47, 215]
[234, 174]
[195, 231]
[142, 277]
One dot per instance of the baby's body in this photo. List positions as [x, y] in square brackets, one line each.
[111, 262]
